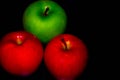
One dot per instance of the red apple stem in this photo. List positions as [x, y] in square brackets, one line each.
[46, 11]
[63, 41]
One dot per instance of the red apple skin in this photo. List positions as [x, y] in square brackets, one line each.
[0, 52]
[66, 64]
[21, 53]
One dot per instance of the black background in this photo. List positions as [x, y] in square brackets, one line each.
[81, 23]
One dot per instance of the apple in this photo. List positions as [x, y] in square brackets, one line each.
[45, 19]
[66, 57]
[21, 53]
[0, 53]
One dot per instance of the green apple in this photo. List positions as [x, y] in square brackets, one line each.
[45, 19]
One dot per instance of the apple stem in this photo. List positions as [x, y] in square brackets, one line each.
[65, 79]
[63, 40]
[46, 11]
[19, 42]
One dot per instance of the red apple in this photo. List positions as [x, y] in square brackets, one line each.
[0, 53]
[21, 53]
[66, 57]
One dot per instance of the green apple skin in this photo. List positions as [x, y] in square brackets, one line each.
[45, 27]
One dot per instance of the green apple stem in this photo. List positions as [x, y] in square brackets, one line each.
[46, 11]
[63, 41]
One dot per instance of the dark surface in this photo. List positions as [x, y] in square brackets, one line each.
[81, 23]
